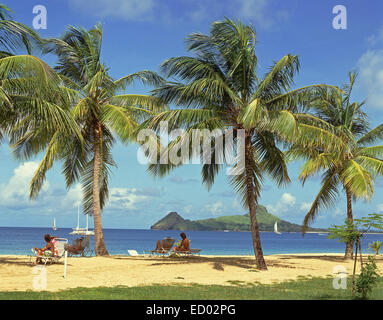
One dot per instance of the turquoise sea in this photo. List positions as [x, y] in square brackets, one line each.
[20, 241]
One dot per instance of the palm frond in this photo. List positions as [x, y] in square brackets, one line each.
[326, 197]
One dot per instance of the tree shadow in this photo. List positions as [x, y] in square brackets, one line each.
[26, 261]
[324, 257]
[217, 263]
[14, 260]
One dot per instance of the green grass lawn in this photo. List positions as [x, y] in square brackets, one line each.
[304, 289]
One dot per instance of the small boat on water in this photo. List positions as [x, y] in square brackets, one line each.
[276, 228]
[54, 224]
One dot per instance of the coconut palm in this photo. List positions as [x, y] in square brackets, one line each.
[15, 35]
[218, 89]
[375, 246]
[102, 113]
[30, 97]
[355, 165]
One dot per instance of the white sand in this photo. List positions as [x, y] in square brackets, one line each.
[17, 275]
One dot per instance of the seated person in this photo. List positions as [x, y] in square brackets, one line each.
[76, 247]
[185, 244]
[49, 249]
[159, 244]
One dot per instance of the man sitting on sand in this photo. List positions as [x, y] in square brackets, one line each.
[185, 244]
[48, 249]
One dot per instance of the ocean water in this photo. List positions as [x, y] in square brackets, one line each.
[20, 241]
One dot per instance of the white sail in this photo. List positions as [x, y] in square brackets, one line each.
[276, 228]
[54, 224]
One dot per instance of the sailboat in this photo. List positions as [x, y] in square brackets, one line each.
[54, 224]
[276, 228]
[81, 231]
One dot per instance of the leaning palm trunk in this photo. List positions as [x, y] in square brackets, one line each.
[99, 243]
[260, 261]
[349, 246]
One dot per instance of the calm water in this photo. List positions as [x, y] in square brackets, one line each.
[118, 241]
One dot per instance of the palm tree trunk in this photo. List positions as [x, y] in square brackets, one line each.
[349, 246]
[260, 261]
[99, 244]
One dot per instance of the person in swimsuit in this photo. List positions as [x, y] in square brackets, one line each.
[49, 247]
[185, 244]
[75, 249]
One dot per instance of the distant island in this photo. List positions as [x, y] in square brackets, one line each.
[266, 221]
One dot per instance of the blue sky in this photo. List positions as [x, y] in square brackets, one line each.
[140, 34]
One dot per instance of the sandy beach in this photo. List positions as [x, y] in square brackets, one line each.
[17, 274]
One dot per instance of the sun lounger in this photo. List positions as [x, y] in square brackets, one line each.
[84, 250]
[190, 252]
[48, 257]
[165, 249]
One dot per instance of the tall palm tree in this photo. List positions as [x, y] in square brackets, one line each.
[219, 89]
[355, 165]
[101, 113]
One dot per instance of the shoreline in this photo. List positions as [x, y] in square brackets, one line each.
[117, 255]
[121, 270]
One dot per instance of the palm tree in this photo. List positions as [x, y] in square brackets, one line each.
[375, 246]
[101, 114]
[219, 89]
[15, 35]
[354, 165]
[27, 85]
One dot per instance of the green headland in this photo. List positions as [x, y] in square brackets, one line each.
[266, 221]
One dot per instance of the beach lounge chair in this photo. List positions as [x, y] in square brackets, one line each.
[49, 257]
[84, 250]
[165, 248]
[190, 252]
[134, 253]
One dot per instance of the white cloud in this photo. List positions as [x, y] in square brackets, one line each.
[376, 38]
[283, 205]
[187, 209]
[123, 9]
[379, 207]
[125, 198]
[306, 206]
[73, 197]
[237, 205]
[338, 212]
[214, 208]
[181, 180]
[258, 10]
[370, 67]
[15, 193]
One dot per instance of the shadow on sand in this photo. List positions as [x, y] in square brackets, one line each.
[217, 263]
[25, 261]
